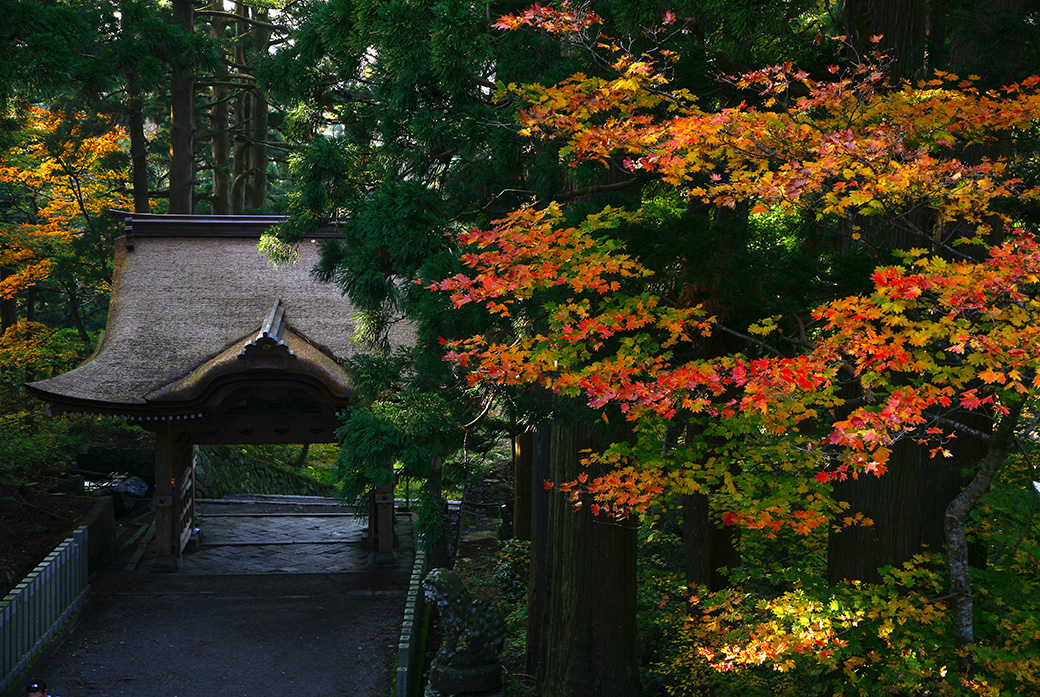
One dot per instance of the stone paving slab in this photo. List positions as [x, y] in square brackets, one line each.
[235, 541]
[271, 605]
[171, 635]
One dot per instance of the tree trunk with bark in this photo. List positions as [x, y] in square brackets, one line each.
[539, 585]
[243, 109]
[75, 314]
[907, 505]
[138, 145]
[977, 43]
[902, 25]
[591, 638]
[957, 549]
[708, 547]
[220, 140]
[182, 123]
[260, 38]
[523, 455]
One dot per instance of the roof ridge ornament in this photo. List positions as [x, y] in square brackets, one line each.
[269, 341]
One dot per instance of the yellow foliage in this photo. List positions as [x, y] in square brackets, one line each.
[69, 184]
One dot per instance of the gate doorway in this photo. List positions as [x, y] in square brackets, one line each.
[207, 343]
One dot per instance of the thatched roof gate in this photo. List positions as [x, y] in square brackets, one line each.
[206, 342]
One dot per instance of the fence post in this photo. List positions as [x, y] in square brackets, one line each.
[38, 607]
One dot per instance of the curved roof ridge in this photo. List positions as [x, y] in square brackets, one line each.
[184, 295]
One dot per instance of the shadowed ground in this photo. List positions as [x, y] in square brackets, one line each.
[279, 601]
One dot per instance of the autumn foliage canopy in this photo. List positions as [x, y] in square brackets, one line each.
[946, 336]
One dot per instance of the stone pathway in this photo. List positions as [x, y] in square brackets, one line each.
[287, 537]
[278, 600]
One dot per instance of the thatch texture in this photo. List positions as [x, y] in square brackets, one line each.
[184, 306]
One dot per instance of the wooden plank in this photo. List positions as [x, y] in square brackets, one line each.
[138, 225]
[165, 453]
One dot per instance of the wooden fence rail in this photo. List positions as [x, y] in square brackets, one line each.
[409, 664]
[32, 614]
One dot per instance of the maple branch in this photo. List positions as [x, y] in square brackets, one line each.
[749, 339]
[957, 425]
[603, 188]
[486, 206]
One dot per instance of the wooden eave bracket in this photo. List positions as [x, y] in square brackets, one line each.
[269, 341]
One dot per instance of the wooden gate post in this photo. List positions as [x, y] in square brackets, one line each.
[381, 526]
[174, 494]
[165, 454]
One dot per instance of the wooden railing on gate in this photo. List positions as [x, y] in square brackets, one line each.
[185, 506]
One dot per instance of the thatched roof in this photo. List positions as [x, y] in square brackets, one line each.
[189, 293]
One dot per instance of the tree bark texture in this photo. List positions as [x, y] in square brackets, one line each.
[182, 123]
[240, 156]
[75, 314]
[523, 447]
[220, 141]
[439, 556]
[978, 44]
[539, 587]
[956, 519]
[138, 147]
[258, 158]
[591, 638]
[906, 504]
[708, 547]
[901, 23]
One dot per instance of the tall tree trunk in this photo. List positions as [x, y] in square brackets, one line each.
[256, 190]
[135, 127]
[138, 151]
[182, 123]
[260, 38]
[937, 52]
[902, 24]
[240, 158]
[539, 585]
[30, 303]
[906, 505]
[243, 110]
[75, 313]
[301, 459]
[439, 555]
[220, 141]
[708, 548]
[591, 639]
[523, 457]
[955, 521]
[976, 44]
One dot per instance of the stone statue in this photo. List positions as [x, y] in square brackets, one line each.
[467, 662]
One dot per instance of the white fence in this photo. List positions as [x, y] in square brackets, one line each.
[410, 665]
[33, 613]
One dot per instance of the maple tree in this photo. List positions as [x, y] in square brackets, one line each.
[58, 179]
[60, 189]
[944, 335]
[62, 178]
